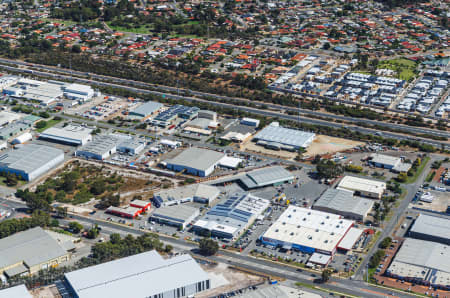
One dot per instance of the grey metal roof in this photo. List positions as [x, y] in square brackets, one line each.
[343, 201]
[425, 254]
[147, 108]
[143, 275]
[101, 144]
[29, 157]
[179, 213]
[266, 176]
[33, 247]
[70, 132]
[432, 225]
[285, 136]
[19, 291]
[197, 158]
[190, 191]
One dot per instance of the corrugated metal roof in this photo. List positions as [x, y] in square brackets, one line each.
[147, 108]
[19, 291]
[343, 200]
[285, 136]
[29, 157]
[197, 158]
[432, 225]
[141, 275]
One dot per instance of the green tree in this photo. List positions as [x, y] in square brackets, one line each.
[326, 274]
[208, 247]
[75, 227]
[41, 124]
[328, 169]
[385, 243]
[61, 212]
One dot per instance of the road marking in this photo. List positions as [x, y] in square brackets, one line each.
[378, 293]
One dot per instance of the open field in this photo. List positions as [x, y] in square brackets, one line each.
[403, 67]
[251, 146]
[326, 144]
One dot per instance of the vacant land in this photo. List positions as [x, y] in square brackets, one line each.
[404, 68]
[326, 144]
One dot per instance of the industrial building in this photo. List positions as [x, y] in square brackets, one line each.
[422, 262]
[277, 137]
[205, 114]
[230, 218]
[342, 202]
[29, 251]
[100, 148]
[30, 161]
[128, 212]
[201, 193]
[250, 122]
[8, 117]
[71, 134]
[141, 276]
[131, 146]
[178, 216]
[431, 228]
[363, 187]
[19, 291]
[144, 205]
[78, 92]
[146, 109]
[307, 230]
[258, 178]
[389, 162]
[23, 138]
[14, 128]
[196, 161]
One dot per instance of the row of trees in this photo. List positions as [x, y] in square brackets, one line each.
[11, 226]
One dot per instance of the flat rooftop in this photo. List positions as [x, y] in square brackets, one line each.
[343, 200]
[197, 158]
[385, 159]
[432, 225]
[72, 132]
[287, 136]
[33, 247]
[147, 108]
[29, 157]
[362, 184]
[100, 145]
[144, 275]
[266, 176]
[179, 213]
[423, 259]
[19, 291]
[311, 228]
[189, 191]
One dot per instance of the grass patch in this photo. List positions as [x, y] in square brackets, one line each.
[19, 182]
[138, 30]
[430, 176]
[404, 68]
[49, 124]
[413, 178]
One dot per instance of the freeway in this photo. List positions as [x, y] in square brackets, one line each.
[262, 112]
[351, 287]
[276, 107]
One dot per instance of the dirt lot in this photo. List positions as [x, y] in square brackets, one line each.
[252, 147]
[46, 292]
[440, 202]
[326, 144]
[225, 279]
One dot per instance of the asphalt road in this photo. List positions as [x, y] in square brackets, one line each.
[419, 130]
[351, 287]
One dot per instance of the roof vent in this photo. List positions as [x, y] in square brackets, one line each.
[298, 227]
[328, 216]
[326, 241]
[292, 233]
[276, 231]
[317, 230]
[322, 223]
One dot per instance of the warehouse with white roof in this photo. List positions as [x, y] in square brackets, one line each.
[278, 137]
[31, 161]
[307, 230]
[342, 202]
[431, 228]
[422, 262]
[100, 148]
[198, 192]
[146, 109]
[363, 187]
[140, 276]
[71, 134]
[196, 161]
[179, 216]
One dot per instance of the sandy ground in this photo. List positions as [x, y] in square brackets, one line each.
[225, 279]
[326, 144]
[252, 147]
[440, 202]
[321, 145]
[46, 292]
